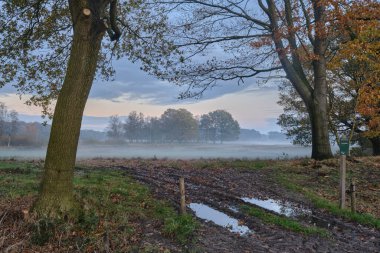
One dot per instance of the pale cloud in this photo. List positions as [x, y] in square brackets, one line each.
[134, 83]
[253, 105]
[105, 108]
[14, 102]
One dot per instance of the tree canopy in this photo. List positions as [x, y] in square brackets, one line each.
[54, 50]
[352, 75]
[115, 128]
[219, 126]
[236, 40]
[37, 37]
[179, 125]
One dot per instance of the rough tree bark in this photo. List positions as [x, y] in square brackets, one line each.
[56, 198]
[318, 110]
[319, 128]
[314, 97]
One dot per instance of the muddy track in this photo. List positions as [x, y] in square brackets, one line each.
[222, 189]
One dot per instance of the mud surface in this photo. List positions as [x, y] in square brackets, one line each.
[222, 188]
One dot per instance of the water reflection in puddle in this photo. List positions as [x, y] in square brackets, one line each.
[209, 214]
[284, 208]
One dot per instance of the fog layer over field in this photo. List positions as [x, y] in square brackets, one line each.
[172, 151]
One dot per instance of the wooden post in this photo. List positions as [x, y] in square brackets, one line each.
[182, 193]
[342, 182]
[353, 195]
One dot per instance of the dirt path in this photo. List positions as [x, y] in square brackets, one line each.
[223, 188]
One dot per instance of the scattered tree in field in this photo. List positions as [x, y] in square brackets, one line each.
[154, 130]
[115, 128]
[219, 126]
[19, 133]
[3, 118]
[207, 129]
[12, 126]
[261, 37]
[8, 124]
[134, 126]
[54, 49]
[179, 125]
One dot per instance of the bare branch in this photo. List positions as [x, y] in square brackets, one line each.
[113, 17]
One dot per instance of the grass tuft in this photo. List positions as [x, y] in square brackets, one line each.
[283, 222]
[243, 164]
[115, 210]
[319, 202]
[180, 227]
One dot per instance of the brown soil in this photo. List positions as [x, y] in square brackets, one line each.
[222, 186]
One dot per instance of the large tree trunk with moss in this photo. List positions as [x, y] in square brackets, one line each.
[56, 197]
[319, 130]
[317, 103]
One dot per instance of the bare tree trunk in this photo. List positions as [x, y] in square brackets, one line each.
[56, 197]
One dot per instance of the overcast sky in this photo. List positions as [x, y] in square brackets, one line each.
[253, 103]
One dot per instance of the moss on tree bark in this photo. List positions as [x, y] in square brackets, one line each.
[56, 196]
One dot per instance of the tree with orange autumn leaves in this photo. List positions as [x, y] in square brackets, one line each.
[360, 44]
[353, 79]
[353, 69]
[265, 37]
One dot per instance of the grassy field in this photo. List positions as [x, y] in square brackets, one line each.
[121, 215]
[116, 210]
[319, 182]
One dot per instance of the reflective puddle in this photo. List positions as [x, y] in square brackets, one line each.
[209, 214]
[284, 208]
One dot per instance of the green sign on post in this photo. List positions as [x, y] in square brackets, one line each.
[344, 146]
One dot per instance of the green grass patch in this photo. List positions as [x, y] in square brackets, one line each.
[119, 198]
[18, 179]
[180, 227]
[283, 222]
[319, 202]
[231, 163]
[114, 207]
[247, 164]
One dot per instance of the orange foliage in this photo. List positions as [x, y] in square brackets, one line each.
[358, 25]
[369, 107]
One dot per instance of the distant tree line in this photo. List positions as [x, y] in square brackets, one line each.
[174, 126]
[8, 124]
[14, 132]
[254, 136]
